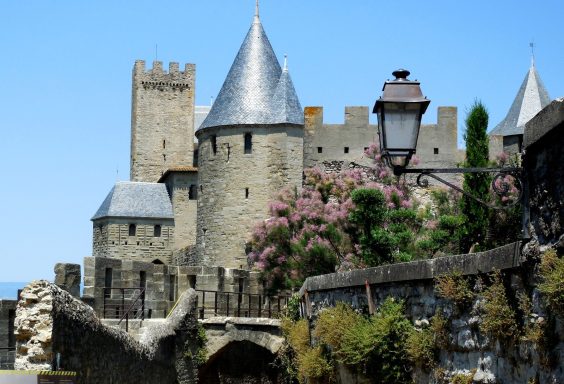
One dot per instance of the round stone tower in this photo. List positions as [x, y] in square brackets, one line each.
[250, 148]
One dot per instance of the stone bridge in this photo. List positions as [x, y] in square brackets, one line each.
[222, 331]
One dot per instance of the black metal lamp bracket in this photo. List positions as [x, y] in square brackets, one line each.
[500, 186]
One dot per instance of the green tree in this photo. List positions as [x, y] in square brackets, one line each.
[477, 184]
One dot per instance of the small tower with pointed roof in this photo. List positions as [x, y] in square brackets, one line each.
[250, 148]
[531, 98]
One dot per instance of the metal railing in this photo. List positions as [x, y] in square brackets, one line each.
[238, 304]
[124, 304]
[7, 358]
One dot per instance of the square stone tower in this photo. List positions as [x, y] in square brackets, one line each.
[162, 120]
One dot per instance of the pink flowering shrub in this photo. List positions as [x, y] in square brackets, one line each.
[310, 232]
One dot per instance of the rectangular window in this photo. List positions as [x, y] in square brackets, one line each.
[108, 282]
[346, 149]
[172, 285]
[142, 279]
[248, 143]
[319, 149]
[132, 229]
[436, 151]
[214, 144]
[192, 281]
[192, 192]
[157, 231]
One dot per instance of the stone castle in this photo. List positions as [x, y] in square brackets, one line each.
[190, 208]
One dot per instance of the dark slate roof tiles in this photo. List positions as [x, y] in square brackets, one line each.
[136, 199]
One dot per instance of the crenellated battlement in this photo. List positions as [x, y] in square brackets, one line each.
[157, 77]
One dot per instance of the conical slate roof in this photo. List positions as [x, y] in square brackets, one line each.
[136, 199]
[288, 108]
[246, 96]
[531, 98]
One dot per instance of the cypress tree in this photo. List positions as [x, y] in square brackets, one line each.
[477, 184]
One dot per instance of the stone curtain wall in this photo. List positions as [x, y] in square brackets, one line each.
[162, 119]
[324, 144]
[50, 322]
[235, 187]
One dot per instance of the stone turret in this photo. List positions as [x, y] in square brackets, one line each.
[250, 148]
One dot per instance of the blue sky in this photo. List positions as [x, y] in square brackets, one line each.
[65, 84]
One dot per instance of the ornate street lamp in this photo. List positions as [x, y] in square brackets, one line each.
[399, 110]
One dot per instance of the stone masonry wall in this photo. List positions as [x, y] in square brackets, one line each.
[185, 206]
[164, 283]
[111, 239]
[162, 119]
[7, 340]
[51, 323]
[544, 163]
[235, 187]
[468, 351]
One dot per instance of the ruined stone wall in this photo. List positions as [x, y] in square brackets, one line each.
[162, 119]
[111, 239]
[327, 144]
[54, 328]
[235, 187]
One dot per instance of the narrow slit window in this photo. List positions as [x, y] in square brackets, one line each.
[248, 143]
[246, 193]
[164, 144]
[132, 229]
[346, 149]
[319, 149]
[193, 192]
[214, 144]
[157, 231]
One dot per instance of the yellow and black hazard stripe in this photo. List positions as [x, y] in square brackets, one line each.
[57, 373]
[42, 373]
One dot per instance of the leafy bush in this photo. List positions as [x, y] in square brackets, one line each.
[498, 318]
[332, 324]
[421, 347]
[197, 351]
[463, 378]
[439, 328]
[378, 344]
[454, 287]
[552, 285]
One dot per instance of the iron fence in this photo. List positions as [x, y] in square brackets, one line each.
[238, 304]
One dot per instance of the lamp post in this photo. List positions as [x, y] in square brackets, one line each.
[399, 110]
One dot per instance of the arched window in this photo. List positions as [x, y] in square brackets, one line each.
[157, 231]
[132, 229]
[248, 143]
